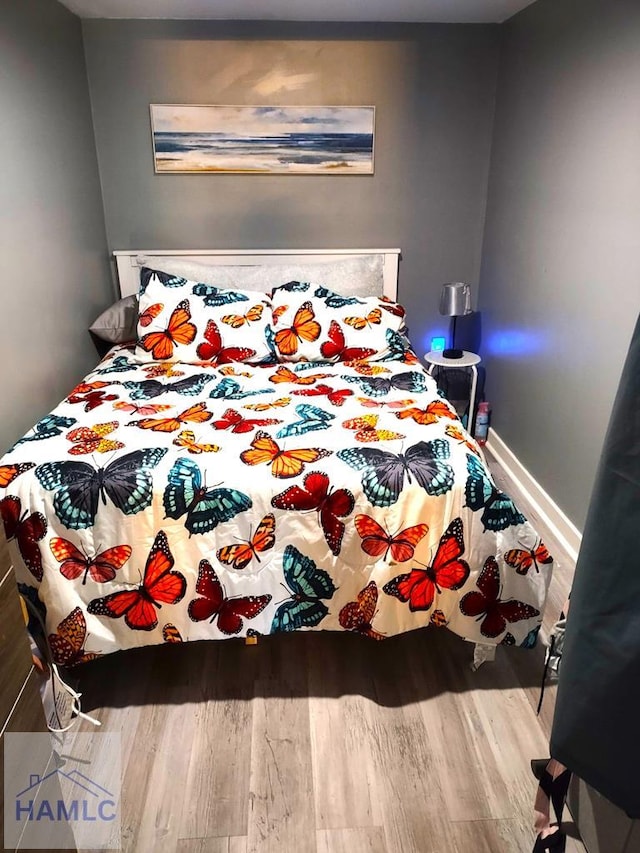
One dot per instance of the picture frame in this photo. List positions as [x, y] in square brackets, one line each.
[283, 140]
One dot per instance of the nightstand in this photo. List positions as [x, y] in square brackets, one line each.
[469, 361]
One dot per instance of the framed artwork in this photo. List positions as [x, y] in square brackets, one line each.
[195, 138]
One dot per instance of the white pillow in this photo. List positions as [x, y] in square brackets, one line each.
[362, 276]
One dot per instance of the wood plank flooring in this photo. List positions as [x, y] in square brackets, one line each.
[328, 743]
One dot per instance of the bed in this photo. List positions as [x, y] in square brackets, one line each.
[268, 455]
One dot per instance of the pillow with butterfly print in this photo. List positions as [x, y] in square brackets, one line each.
[191, 322]
[312, 323]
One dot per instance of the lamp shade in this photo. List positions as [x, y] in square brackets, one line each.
[455, 299]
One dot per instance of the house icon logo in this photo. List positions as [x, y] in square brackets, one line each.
[89, 801]
[62, 793]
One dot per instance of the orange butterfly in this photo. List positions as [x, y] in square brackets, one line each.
[304, 328]
[8, 473]
[150, 314]
[365, 427]
[196, 414]
[522, 560]
[377, 542]
[92, 440]
[366, 369]
[229, 370]
[284, 463]
[178, 331]
[358, 615]
[285, 374]
[263, 407]
[438, 619]
[67, 644]
[187, 439]
[456, 433]
[135, 409]
[170, 634]
[278, 311]
[433, 412]
[102, 567]
[237, 320]
[166, 369]
[373, 318]
[239, 556]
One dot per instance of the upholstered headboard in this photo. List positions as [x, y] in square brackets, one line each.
[360, 272]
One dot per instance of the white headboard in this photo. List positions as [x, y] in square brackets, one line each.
[385, 260]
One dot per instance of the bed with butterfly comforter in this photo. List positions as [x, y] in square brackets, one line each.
[223, 496]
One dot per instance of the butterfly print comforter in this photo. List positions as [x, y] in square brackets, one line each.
[174, 502]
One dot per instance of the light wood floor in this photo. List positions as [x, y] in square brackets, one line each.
[329, 743]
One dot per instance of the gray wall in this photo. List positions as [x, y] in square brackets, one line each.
[53, 258]
[433, 88]
[560, 283]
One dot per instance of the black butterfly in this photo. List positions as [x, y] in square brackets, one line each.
[295, 286]
[46, 428]
[149, 388]
[498, 510]
[384, 472]
[164, 278]
[79, 486]
[378, 386]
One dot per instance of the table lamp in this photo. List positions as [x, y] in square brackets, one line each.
[455, 301]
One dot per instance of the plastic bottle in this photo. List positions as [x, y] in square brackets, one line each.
[482, 424]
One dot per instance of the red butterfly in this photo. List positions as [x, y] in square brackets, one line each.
[143, 409]
[330, 506]
[27, 530]
[215, 603]
[358, 615]
[91, 395]
[447, 571]
[376, 541]
[392, 307]
[67, 644]
[522, 560]
[212, 350]
[487, 604]
[8, 473]
[102, 567]
[236, 422]
[159, 586]
[322, 390]
[336, 348]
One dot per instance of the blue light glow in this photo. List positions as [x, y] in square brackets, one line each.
[515, 342]
[438, 344]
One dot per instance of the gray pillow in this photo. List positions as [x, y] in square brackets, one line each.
[118, 324]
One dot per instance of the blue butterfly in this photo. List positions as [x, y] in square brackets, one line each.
[294, 286]
[311, 418]
[379, 386]
[398, 345]
[164, 278]
[149, 388]
[499, 511]
[300, 366]
[120, 364]
[307, 586]
[46, 428]
[204, 508]
[384, 472]
[79, 486]
[229, 389]
[214, 296]
[335, 300]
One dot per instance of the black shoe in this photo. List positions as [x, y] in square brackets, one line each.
[555, 842]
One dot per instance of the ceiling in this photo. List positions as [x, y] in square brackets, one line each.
[443, 11]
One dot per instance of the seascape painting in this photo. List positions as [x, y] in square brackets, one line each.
[262, 140]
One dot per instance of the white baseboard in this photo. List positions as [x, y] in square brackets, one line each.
[562, 527]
